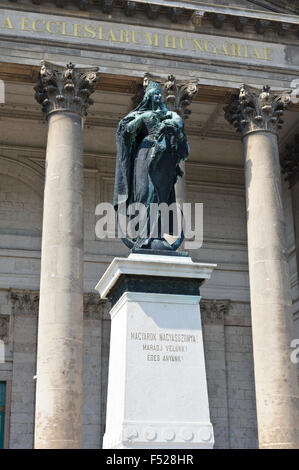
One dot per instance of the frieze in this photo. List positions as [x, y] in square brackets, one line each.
[185, 13]
[142, 40]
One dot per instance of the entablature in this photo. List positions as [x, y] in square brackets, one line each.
[248, 17]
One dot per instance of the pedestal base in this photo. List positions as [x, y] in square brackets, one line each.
[157, 389]
[137, 435]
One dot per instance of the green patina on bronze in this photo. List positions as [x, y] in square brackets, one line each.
[151, 143]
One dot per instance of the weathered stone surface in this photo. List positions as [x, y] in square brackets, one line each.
[218, 185]
[4, 328]
[257, 110]
[65, 88]
[290, 162]
[24, 301]
[159, 338]
[58, 418]
[152, 40]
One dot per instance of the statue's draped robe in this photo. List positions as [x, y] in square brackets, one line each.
[147, 164]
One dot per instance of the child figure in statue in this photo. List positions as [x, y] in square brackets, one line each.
[151, 143]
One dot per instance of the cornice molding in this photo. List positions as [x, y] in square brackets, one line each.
[278, 6]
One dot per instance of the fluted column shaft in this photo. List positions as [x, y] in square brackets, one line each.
[64, 94]
[258, 116]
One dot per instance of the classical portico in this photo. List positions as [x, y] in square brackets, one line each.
[58, 123]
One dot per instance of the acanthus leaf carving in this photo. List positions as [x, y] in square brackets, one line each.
[24, 301]
[257, 110]
[65, 88]
[213, 311]
[177, 94]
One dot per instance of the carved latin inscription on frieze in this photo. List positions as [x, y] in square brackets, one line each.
[142, 40]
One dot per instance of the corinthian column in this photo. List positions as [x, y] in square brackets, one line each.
[64, 93]
[257, 115]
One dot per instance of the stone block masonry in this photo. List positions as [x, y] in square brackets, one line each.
[228, 356]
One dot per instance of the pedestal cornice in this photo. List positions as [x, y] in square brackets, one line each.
[256, 110]
[65, 89]
[151, 265]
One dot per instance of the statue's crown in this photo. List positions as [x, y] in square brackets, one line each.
[153, 86]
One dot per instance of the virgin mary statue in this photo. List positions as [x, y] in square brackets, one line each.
[150, 143]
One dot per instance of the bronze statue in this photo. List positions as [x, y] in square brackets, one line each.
[151, 143]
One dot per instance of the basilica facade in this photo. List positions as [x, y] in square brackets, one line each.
[69, 71]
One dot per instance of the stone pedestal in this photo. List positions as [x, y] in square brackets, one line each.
[157, 388]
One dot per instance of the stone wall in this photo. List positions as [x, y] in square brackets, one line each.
[228, 358]
[228, 355]
[24, 310]
[20, 366]
[226, 322]
[230, 375]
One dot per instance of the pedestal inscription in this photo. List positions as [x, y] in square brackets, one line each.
[157, 390]
[163, 344]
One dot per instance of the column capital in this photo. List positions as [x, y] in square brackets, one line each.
[65, 88]
[256, 110]
[290, 162]
[24, 301]
[177, 94]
